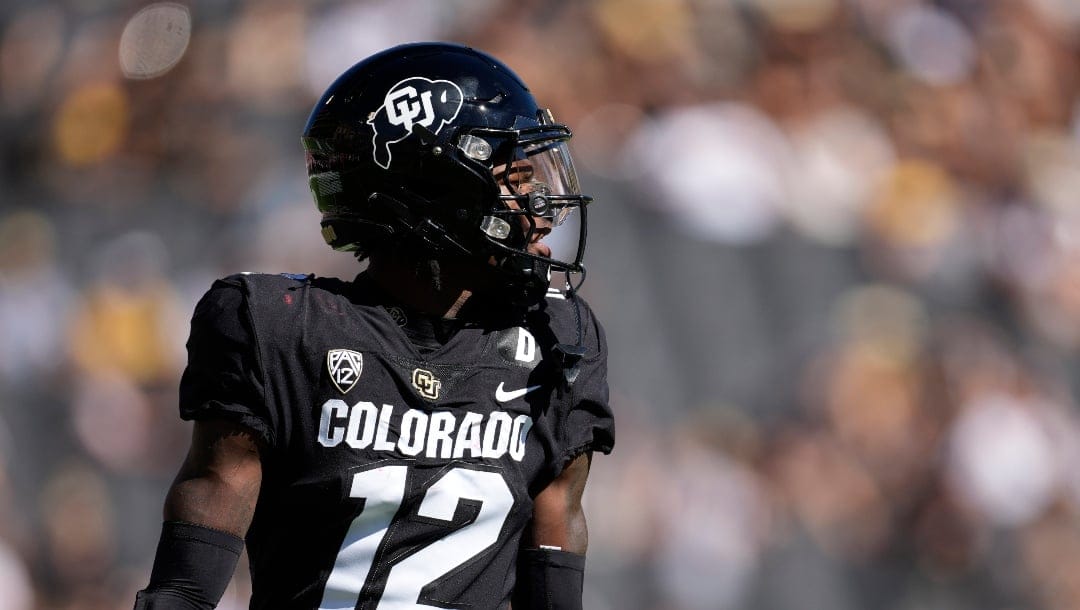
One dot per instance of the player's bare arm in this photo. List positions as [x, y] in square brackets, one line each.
[218, 484]
[558, 519]
[551, 565]
[207, 512]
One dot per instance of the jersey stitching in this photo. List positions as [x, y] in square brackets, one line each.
[260, 361]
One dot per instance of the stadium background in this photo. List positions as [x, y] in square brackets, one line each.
[836, 245]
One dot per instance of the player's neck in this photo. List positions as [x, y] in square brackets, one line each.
[440, 290]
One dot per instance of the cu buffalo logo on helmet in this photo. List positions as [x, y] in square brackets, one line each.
[411, 102]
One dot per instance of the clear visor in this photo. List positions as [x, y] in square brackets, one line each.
[542, 169]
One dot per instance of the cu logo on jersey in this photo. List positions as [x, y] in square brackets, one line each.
[413, 101]
[344, 366]
[426, 384]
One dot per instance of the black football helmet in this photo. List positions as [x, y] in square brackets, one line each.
[442, 148]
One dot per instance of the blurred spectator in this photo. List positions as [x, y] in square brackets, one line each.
[34, 300]
[15, 581]
[123, 321]
[714, 522]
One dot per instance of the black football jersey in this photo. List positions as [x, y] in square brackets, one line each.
[394, 477]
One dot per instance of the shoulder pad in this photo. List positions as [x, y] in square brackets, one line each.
[564, 317]
[251, 279]
[299, 277]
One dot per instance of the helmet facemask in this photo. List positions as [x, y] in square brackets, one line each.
[538, 194]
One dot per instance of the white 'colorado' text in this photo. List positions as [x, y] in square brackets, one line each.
[441, 434]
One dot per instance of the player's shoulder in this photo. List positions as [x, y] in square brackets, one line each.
[561, 304]
[570, 319]
[271, 286]
[241, 294]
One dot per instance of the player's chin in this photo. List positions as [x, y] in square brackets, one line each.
[540, 249]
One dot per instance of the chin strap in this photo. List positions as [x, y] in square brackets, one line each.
[568, 356]
[524, 282]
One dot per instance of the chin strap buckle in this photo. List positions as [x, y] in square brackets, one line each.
[568, 359]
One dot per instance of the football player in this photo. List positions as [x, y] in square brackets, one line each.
[420, 436]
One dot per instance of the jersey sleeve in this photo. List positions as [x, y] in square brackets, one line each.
[589, 424]
[223, 378]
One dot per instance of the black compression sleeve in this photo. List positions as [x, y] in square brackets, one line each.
[192, 568]
[548, 579]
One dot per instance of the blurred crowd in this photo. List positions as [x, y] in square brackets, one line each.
[835, 244]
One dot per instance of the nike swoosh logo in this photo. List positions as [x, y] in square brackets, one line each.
[502, 395]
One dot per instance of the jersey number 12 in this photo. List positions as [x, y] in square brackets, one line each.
[382, 489]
